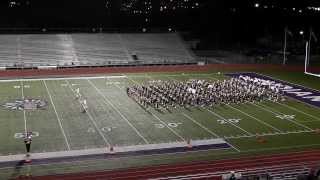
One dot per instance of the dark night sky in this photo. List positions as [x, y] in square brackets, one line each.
[221, 20]
[82, 13]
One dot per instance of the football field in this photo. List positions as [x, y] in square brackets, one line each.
[54, 115]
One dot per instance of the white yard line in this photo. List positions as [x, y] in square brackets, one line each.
[289, 120]
[117, 110]
[57, 115]
[221, 117]
[262, 122]
[235, 148]
[208, 130]
[261, 106]
[295, 109]
[91, 118]
[199, 124]
[163, 123]
[24, 111]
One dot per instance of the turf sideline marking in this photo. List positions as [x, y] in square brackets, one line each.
[57, 115]
[62, 78]
[24, 111]
[297, 110]
[156, 155]
[117, 110]
[93, 77]
[271, 134]
[165, 124]
[275, 112]
[90, 117]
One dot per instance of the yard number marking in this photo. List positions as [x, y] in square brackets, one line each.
[285, 116]
[107, 129]
[234, 121]
[22, 135]
[112, 83]
[173, 125]
[91, 130]
[104, 129]
[18, 87]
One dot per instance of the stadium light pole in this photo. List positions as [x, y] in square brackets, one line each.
[309, 45]
[306, 58]
[285, 46]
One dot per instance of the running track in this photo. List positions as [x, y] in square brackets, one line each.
[311, 157]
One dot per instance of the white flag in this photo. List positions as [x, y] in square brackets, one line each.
[78, 90]
[313, 35]
[288, 31]
[84, 102]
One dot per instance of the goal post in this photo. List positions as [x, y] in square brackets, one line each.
[311, 68]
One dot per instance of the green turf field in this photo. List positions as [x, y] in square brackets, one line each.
[114, 119]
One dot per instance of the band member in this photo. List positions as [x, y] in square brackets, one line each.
[77, 92]
[201, 93]
[84, 106]
[27, 141]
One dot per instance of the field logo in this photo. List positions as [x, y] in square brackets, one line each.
[298, 92]
[26, 104]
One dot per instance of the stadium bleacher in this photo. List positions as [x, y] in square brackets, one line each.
[33, 50]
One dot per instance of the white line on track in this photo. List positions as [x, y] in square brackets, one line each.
[117, 110]
[57, 115]
[262, 122]
[91, 118]
[162, 122]
[269, 109]
[24, 111]
[297, 110]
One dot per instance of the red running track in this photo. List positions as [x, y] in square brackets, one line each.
[133, 69]
[194, 168]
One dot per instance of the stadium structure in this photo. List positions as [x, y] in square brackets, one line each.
[95, 103]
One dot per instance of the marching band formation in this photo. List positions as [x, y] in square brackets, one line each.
[200, 93]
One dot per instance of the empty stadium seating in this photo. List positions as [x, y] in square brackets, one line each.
[32, 50]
